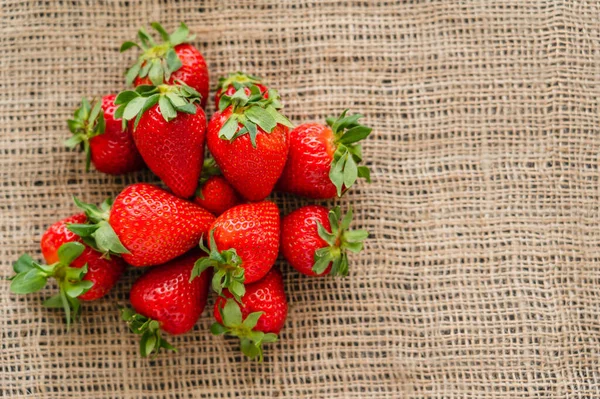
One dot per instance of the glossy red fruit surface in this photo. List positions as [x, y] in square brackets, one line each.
[306, 172]
[174, 150]
[266, 295]
[165, 294]
[156, 226]
[114, 152]
[217, 195]
[300, 238]
[193, 71]
[252, 171]
[253, 231]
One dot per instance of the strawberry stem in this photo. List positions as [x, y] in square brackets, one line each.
[88, 122]
[151, 341]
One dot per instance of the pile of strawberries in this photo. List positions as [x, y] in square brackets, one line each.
[213, 227]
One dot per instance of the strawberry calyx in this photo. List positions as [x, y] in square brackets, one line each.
[340, 240]
[238, 80]
[158, 61]
[171, 100]
[151, 341]
[251, 340]
[345, 169]
[229, 272]
[209, 169]
[31, 277]
[98, 233]
[251, 111]
[88, 122]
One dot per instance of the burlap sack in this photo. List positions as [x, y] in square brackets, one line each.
[480, 277]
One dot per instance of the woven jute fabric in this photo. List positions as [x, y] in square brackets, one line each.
[481, 277]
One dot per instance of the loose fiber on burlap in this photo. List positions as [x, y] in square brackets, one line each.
[481, 278]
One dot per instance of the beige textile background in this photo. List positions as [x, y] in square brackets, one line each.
[481, 277]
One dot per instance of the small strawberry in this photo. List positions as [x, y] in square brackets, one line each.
[260, 317]
[81, 272]
[105, 142]
[244, 242]
[248, 138]
[146, 225]
[235, 81]
[168, 62]
[323, 160]
[314, 240]
[165, 299]
[214, 193]
[169, 131]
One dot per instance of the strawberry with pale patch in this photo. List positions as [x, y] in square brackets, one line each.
[106, 142]
[173, 60]
[257, 318]
[248, 137]
[164, 299]
[315, 240]
[324, 159]
[244, 243]
[146, 225]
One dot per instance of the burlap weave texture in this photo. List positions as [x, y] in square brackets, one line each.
[481, 276]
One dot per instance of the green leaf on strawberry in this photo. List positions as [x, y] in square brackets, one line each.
[151, 341]
[344, 169]
[339, 240]
[229, 272]
[233, 325]
[31, 277]
[88, 122]
[238, 80]
[251, 111]
[171, 99]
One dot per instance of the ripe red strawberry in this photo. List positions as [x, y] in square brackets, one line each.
[169, 62]
[214, 193]
[244, 242]
[146, 225]
[169, 131]
[323, 160]
[315, 240]
[235, 81]
[248, 138]
[81, 272]
[106, 143]
[165, 299]
[260, 317]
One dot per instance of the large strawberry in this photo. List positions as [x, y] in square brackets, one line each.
[244, 242]
[105, 141]
[169, 129]
[323, 159]
[235, 81]
[81, 272]
[258, 319]
[214, 193]
[146, 225]
[165, 299]
[315, 240]
[248, 138]
[173, 60]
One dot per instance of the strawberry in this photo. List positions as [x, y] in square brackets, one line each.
[105, 142]
[260, 317]
[323, 160]
[81, 272]
[244, 242]
[168, 62]
[248, 138]
[165, 299]
[234, 81]
[146, 225]
[315, 240]
[214, 193]
[169, 131]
